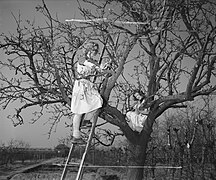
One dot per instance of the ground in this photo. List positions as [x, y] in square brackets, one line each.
[30, 171]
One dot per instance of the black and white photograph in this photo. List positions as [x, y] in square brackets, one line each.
[107, 90]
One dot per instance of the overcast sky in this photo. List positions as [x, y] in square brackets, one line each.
[35, 134]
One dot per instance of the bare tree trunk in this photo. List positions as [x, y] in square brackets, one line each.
[190, 163]
[136, 173]
[203, 162]
[138, 157]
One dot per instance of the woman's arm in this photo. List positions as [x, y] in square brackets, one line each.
[94, 62]
[145, 110]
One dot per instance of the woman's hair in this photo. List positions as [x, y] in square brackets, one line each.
[90, 46]
[141, 93]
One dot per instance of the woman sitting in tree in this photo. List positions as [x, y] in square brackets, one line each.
[135, 117]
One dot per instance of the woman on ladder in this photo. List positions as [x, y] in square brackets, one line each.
[85, 96]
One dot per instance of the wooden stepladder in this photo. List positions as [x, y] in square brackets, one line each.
[87, 146]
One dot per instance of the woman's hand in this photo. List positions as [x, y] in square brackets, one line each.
[105, 66]
[93, 62]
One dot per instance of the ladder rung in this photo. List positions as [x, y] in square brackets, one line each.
[70, 164]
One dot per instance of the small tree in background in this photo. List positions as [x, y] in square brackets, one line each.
[10, 151]
[188, 134]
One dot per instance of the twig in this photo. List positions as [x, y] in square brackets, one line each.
[104, 20]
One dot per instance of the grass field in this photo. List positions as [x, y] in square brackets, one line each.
[14, 171]
[50, 176]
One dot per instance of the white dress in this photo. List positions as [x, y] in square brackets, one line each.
[136, 120]
[85, 96]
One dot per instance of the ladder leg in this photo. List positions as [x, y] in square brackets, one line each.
[80, 171]
[67, 161]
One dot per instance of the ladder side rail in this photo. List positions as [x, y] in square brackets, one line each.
[67, 161]
[80, 171]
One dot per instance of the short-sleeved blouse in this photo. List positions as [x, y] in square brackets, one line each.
[86, 69]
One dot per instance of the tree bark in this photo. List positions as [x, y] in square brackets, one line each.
[138, 156]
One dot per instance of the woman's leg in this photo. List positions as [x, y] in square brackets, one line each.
[76, 125]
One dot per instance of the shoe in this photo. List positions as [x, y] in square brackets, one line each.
[86, 124]
[75, 140]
